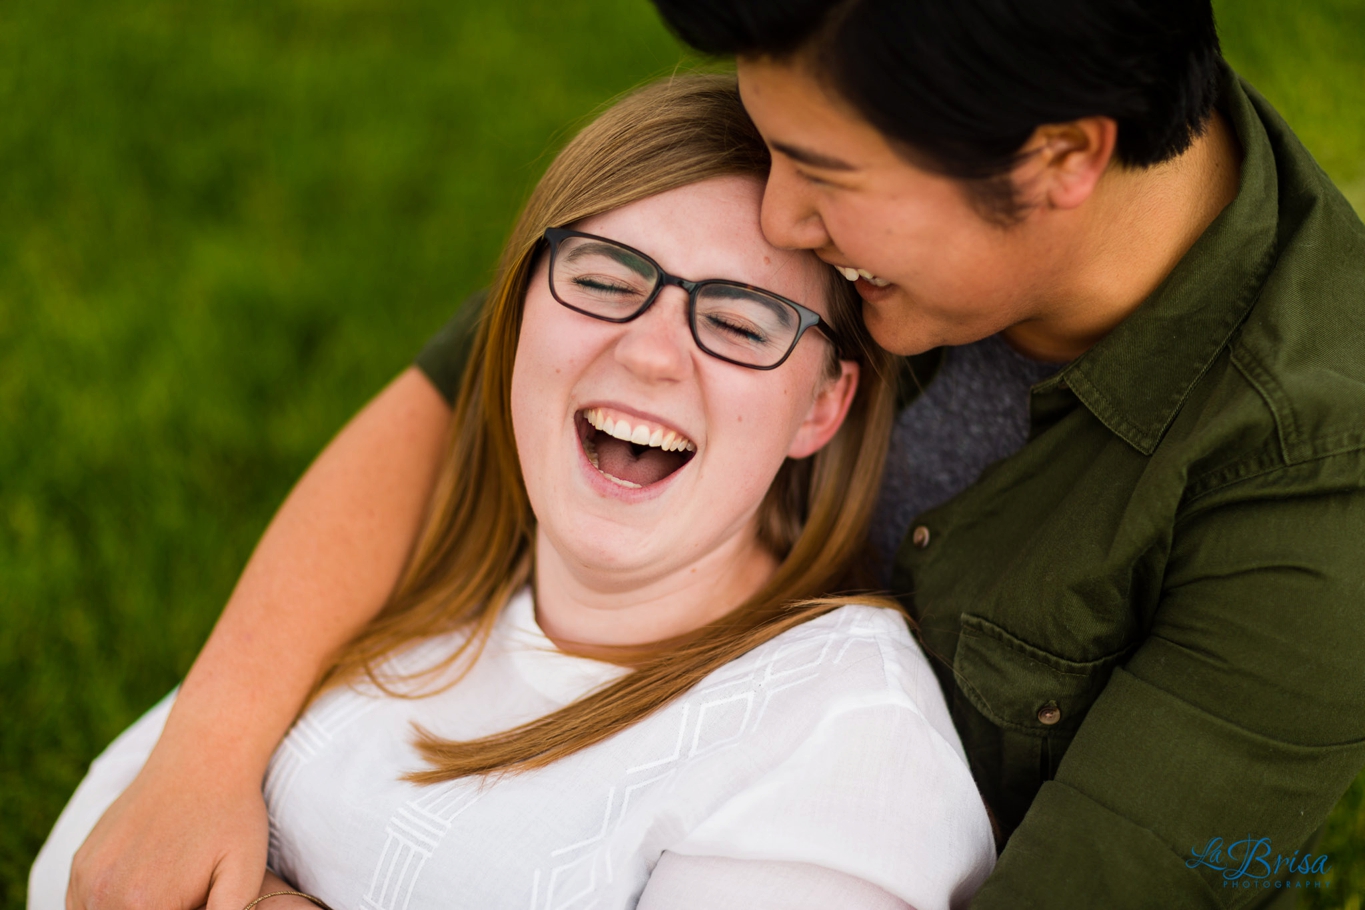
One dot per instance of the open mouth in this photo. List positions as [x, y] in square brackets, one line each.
[629, 451]
[853, 274]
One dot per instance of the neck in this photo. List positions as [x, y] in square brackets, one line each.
[1116, 249]
[584, 607]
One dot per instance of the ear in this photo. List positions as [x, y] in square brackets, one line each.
[1063, 162]
[827, 412]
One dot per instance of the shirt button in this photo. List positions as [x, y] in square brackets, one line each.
[1049, 714]
[920, 537]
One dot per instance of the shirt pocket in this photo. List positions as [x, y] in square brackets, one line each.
[1022, 688]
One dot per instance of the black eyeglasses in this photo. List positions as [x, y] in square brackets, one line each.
[737, 323]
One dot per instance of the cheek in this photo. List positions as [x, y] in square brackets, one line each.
[527, 398]
[947, 260]
[764, 415]
[540, 381]
[923, 232]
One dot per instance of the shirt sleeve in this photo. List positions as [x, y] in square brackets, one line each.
[444, 357]
[689, 882]
[873, 792]
[1241, 717]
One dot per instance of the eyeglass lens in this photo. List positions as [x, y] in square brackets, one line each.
[734, 322]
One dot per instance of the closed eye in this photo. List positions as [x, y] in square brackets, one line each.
[603, 285]
[736, 329]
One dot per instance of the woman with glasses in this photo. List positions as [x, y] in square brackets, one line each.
[617, 668]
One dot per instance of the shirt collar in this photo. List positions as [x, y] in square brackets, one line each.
[1136, 378]
[561, 678]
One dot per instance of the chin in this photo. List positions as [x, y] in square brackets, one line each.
[603, 545]
[895, 336]
[903, 329]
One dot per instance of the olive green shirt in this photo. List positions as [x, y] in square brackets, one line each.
[1150, 621]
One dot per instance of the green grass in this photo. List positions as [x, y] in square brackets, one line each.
[1308, 59]
[223, 225]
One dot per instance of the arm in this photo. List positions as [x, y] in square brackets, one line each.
[873, 806]
[194, 819]
[273, 884]
[718, 883]
[1241, 714]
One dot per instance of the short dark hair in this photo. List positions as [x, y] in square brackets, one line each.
[960, 85]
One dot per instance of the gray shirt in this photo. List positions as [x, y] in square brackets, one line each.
[973, 413]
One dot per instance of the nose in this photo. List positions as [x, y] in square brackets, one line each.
[658, 346]
[790, 218]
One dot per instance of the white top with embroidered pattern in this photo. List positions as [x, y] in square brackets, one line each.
[829, 745]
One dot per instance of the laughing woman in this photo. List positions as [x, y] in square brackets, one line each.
[614, 671]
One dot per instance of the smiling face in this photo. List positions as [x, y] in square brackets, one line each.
[944, 273]
[642, 455]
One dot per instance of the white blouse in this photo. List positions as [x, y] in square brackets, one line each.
[830, 745]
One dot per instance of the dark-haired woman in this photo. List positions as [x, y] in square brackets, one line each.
[1126, 505]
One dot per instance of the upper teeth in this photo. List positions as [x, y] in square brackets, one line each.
[643, 434]
[854, 274]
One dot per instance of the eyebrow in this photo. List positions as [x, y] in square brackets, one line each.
[814, 159]
[732, 292]
[618, 253]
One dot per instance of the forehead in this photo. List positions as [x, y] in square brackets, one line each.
[802, 119]
[711, 230]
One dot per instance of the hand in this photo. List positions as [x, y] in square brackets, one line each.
[192, 826]
[181, 836]
[274, 883]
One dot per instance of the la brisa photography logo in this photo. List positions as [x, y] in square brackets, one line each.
[1253, 863]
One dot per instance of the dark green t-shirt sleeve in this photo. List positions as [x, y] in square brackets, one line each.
[1240, 716]
[444, 357]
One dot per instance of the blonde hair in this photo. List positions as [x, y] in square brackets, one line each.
[475, 548]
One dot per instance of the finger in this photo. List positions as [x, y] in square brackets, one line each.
[236, 883]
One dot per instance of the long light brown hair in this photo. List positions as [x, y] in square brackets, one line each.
[476, 547]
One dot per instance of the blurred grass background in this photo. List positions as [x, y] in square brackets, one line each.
[225, 224]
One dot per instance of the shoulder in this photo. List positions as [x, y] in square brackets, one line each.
[1302, 346]
[856, 647]
[1282, 409]
[854, 764]
[856, 659]
[1286, 395]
